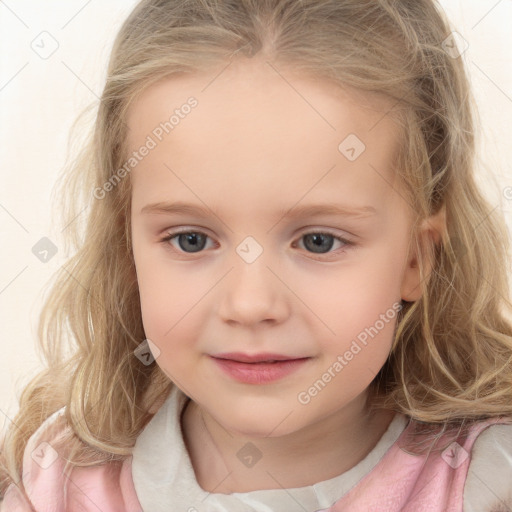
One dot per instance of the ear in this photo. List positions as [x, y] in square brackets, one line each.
[430, 233]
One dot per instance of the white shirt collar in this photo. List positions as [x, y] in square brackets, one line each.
[163, 474]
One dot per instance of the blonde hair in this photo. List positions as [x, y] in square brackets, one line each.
[452, 352]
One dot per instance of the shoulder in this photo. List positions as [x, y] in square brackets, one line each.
[38, 468]
[488, 486]
[46, 487]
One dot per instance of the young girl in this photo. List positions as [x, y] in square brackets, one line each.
[291, 295]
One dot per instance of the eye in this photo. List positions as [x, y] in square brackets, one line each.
[320, 242]
[194, 240]
[317, 242]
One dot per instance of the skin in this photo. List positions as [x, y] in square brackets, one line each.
[253, 147]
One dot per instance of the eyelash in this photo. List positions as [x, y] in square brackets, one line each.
[347, 243]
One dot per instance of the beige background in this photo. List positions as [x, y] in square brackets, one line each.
[40, 98]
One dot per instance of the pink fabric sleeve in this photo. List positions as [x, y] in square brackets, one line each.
[108, 487]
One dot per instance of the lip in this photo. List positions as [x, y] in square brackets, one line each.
[259, 373]
[255, 358]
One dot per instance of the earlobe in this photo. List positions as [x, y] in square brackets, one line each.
[430, 233]
[411, 282]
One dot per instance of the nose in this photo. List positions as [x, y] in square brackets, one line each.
[252, 293]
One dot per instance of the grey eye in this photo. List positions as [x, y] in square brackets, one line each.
[318, 242]
[194, 241]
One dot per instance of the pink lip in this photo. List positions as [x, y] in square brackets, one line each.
[259, 373]
[255, 358]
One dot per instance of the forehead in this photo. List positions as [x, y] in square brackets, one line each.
[252, 86]
[256, 128]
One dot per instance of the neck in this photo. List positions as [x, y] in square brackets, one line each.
[226, 461]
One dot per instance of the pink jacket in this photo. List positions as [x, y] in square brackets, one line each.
[400, 481]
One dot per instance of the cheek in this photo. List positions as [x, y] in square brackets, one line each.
[170, 322]
[162, 287]
[352, 294]
[154, 293]
[355, 310]
[168, 303]
[172, 303]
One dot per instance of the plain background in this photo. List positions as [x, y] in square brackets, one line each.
[41, 95]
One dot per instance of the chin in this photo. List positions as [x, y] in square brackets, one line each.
[254, 423]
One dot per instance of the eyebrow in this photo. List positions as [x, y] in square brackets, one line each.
[299, 211]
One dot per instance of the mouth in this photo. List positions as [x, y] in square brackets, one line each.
[266, 358]
[259, 372]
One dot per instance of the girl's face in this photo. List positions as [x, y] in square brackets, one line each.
[258, 159]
